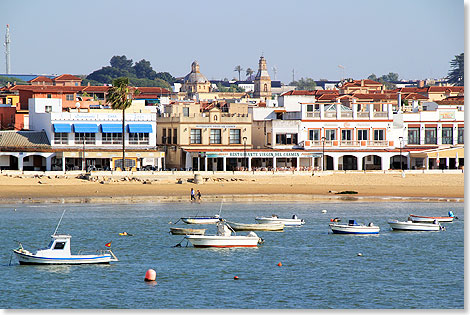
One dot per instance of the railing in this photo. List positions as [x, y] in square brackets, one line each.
[330, 114]
[349, 143]
[312, 114]
[346, 114]
[362, 114]
[380, 114]
[377, 143]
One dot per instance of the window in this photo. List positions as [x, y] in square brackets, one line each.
[59, 245]
[430, 135]
[235, 136]
[362, 134]
[49, 95]
[314, 134]
[169, 136]
[61, 138]
[138, 138]
[447, 135]
[286, 138]
[48, 109]
[413, 136]
[460, 135]
[175, 137]
[112, 138]
[346, 134]
[330, 134]
[164, 135]
[69, 97]
[310, 108]
[195, 137]
[215, 136]
[88, 137]
[379, 134]
[186, 111]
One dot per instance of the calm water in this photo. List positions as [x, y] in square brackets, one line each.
[319, 269]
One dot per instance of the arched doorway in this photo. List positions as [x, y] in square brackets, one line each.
[8, 162]
[348, 162]
[396, 160]
[34, 163]
[372, 162]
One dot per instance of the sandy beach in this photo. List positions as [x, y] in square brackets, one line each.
[280, 187]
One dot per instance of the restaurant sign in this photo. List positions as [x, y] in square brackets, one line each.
[263, 154]
[447, 115]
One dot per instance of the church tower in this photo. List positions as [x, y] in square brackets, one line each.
[262, 81]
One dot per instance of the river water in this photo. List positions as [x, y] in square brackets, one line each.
[319, 270]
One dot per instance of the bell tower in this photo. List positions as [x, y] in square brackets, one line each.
[262, 81]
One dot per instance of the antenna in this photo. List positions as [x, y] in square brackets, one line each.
[59, 222]
[7, 49]
[274, 68]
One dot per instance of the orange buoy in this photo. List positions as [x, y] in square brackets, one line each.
[279, 264]
[235, 278]
[150, 275]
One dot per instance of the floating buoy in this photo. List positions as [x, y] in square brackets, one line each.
[150, 275]
[323, 211]
[279, 264]
[235, 278]
[359, 254]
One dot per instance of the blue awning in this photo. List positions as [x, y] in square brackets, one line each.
[92, 128]
[62, 128]
[111, 128]
[144, 128]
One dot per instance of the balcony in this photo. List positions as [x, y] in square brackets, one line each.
[313, 114]
[350, 143]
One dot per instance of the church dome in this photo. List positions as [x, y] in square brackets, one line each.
[195, 76]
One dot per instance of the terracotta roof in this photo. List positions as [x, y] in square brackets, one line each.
[443, 89]
[41, 79]
[414, 96]
[23, 139]
[95, 88]
[152, 90]
[298, 92]
[67, 77]
[327, 97]
[452, 100]
[144, 96]
[375, 96]
[48, 88]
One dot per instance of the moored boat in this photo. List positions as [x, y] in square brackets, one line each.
[201, 219]
[256, 227]
[419, 218]
[414, 226]
[294, 221]
[353, 228]
[58, 252]
[184, 231]
[224, 239]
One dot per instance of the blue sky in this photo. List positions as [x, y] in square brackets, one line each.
[414, 38]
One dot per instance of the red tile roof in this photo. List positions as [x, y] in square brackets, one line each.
[48, 88]
[67, 77]
[414, 96]
[152, 90]
[95, 88]
[375, 96]
[443, 89]
[298, 92]
[41, 79]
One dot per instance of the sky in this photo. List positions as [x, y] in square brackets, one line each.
[415, 38]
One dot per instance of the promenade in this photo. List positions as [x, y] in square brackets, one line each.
[429, 185]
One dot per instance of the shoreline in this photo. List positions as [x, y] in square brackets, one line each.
[369, 187]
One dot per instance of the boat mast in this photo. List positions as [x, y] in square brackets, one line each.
[59, 222]
[220, 210]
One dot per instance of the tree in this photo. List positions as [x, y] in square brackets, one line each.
[121, 62]
[456, 73]
[120, 97]
[238, 69]
[307, 84]
[372, 77]
[143, 69]
[249, 72]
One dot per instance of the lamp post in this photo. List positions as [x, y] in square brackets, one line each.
[323, 154]
[244, 151]
[84, 159]
[401, 163]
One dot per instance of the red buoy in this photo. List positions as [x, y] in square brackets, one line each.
[150, 275]
[235, 278]
[279, 264]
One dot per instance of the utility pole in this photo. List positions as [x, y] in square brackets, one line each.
[7, 49]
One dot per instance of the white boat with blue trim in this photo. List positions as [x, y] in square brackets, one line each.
[354, 228]
[201, 219]
[58, 252]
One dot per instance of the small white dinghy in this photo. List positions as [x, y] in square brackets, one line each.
[223, 238]
[58, 252]
[353, 228]
[423, 219]
[201, 219]
[414, 226]
[256, 227]
[275, 219]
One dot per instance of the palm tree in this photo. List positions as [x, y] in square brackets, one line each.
[249, 72]
[238, 69]
[120, 97]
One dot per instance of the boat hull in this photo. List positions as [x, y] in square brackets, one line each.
[200, 220]
[417, 218]
[30, 259]
[411, 226]
[222, 241]
[286, 222]
[183, 231]
[352, 229]
[256, 227]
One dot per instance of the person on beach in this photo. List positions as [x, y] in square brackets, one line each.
[193, 198]
[198, 195]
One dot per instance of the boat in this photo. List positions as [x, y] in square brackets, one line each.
[256, 227]
[354, 228]
[58, 252]
[414, 226]
[224, 238]
[419, 218]
[184, 231]
[203, 219]
[275, 219]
